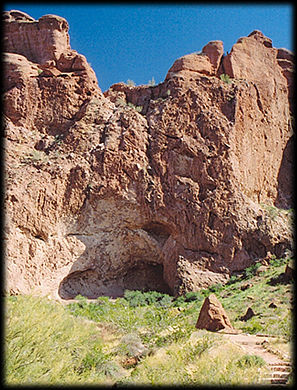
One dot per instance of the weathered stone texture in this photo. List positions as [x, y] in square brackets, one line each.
[165, 193]
[213, 316]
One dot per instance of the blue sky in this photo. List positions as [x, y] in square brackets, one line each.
[125, 41]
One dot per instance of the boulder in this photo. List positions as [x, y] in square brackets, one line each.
[43, 41]
[272, 305]
[15, 15]
[248, 315]
[197, 63]
[213, 317]
[214, 51]
[245, 286]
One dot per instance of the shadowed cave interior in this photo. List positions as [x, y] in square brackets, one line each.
[142, 276]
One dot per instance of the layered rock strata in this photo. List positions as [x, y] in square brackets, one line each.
[170, 187]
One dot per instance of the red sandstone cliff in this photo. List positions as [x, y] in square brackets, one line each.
[174, 195]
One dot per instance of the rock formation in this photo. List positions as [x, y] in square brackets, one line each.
[213, 317]
[248, 315]
[147, 187]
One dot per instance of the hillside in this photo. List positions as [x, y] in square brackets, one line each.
[150, 338]
[125, 209]
[172, 187]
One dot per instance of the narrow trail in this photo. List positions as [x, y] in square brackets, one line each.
[278, 363]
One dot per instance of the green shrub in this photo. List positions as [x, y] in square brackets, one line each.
[272, 211]
[94, 359]
[193, 296]
[251, 271]
[178, 301]
[226, 78]
[165, 301]
[253, 326]
[138, 298]
[215, 288]
[205, 292]
[131, 345]
[274, 262]
[135, 298]
[136, 108]
[250, 361]
[233, 279]
[121, 102]
[201, 345]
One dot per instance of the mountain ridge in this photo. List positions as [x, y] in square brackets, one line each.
[167, 187]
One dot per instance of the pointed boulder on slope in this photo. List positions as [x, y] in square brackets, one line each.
[213, 317]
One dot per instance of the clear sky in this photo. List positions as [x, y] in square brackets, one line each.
[125, 41]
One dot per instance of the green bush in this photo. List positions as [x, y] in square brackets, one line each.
[274, 262]
[215, 288]
[233, 279]
[94, 359]
[193, 296]
[251, 271]
[226, 78]
[250, 361]
[35, 156]
[253, 326]
[136, 108]
[135, 298]
[178, 301]
[138, 298]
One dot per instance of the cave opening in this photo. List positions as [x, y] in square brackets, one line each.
[141, 276]
[146, 277]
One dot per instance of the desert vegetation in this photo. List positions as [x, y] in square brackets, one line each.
[146, 337]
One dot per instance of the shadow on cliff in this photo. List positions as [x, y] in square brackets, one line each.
[285, 196]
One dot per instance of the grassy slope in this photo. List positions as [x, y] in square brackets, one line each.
[265, 288]
[51, 344]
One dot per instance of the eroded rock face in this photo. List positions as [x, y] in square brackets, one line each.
[39, 41]
[166, 192]
[214, 50]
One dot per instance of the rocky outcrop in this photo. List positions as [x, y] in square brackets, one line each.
[248, 315]
[39, 41]
[214, 50]
[167, 187]
[213, 316]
